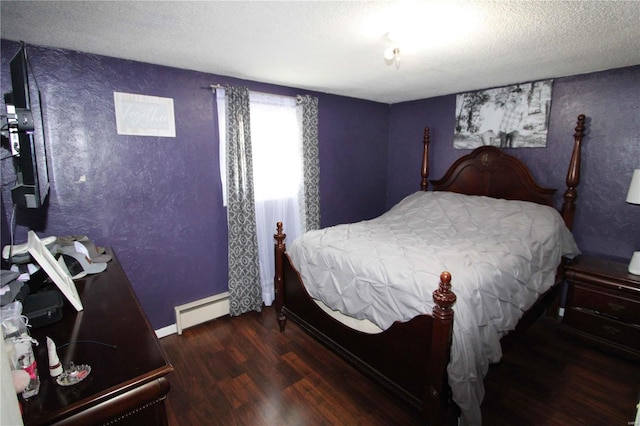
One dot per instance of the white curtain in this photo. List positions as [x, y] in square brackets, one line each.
[276, 143]
[277, 172]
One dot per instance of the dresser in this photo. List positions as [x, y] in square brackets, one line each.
[603, 305]
[127, 383]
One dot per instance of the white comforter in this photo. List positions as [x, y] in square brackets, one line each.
[501, 254]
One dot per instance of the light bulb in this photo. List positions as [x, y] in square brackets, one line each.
[389, 54]
[392, 54]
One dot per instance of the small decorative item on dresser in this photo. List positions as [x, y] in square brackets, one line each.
[603, 305]
[633, 197]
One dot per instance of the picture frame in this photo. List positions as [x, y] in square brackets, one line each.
[56, 270]
[515, 116]
[142, 115]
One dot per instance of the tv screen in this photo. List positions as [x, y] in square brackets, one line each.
[26, 134]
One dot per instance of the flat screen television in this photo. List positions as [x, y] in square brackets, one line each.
[26, 134]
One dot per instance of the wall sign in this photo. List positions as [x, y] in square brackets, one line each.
[143, 115]
[514, 116]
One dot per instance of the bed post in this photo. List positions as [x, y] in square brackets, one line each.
[278, 279]
[437, 398]
[573, 175]
[424, 171]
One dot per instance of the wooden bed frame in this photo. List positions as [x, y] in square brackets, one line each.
[410, 359]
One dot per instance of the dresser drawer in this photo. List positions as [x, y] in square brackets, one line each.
[615, 306]
[604, 328]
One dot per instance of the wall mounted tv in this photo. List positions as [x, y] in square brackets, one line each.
[26, 134]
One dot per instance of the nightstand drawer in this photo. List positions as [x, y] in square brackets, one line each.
[614, 306]
[607, 329]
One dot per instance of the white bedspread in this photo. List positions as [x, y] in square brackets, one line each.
[501, 254]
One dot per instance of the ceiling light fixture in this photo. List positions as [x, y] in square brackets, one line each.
[392, 55]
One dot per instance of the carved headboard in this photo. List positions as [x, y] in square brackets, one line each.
[491, 172]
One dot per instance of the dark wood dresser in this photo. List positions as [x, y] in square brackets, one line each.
[603, 305]
[127, 383]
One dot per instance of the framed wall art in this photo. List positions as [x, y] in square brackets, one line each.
[515, 116]
[143, 115]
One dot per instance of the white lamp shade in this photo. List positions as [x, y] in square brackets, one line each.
[633, 196]
[634, 265]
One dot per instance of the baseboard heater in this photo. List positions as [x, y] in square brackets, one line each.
[201, 310]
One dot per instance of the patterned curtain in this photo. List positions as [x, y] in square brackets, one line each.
[245, 293]
[310, 198]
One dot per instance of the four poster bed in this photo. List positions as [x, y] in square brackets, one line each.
[391, 319]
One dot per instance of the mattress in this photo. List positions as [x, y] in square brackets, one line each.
[502, 256]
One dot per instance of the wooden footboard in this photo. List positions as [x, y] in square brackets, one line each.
[410, 359]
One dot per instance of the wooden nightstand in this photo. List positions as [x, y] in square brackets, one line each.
[603, 305]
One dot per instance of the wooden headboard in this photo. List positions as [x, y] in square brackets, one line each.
[491, 172]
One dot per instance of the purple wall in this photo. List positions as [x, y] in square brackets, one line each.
[604, 223]
[352, 163]
[157, 201]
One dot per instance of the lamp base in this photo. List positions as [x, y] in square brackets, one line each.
[634, 265]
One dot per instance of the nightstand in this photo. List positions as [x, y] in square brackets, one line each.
[603, 305]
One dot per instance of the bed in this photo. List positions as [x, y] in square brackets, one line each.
[418, 355]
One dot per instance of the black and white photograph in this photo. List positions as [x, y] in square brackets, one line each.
[513, 116]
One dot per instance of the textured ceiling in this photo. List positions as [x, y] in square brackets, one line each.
[337, 47]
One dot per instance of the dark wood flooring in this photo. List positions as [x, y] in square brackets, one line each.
[243, 371]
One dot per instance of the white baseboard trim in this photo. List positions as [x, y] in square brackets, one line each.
[201, 310]
[166, 331]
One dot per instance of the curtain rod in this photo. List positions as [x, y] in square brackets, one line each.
[213, 87]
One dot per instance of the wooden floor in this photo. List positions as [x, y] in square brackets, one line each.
[243, 371]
